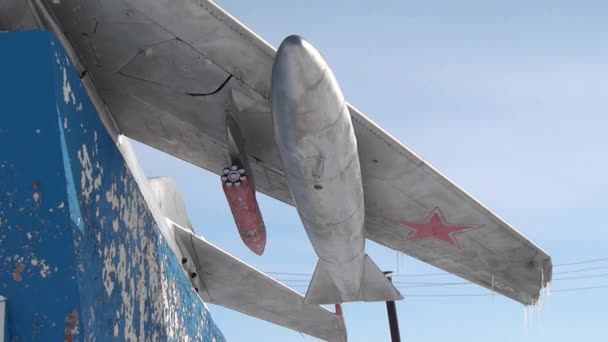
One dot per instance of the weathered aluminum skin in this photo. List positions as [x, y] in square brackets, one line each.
[82, 254]
[229, 282]
[224, 280]
[125, 44]
[318, 148]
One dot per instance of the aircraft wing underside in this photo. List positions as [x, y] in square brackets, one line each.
[231, 283]
[169, 72]
[222, 279]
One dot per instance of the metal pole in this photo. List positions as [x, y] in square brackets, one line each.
[391, 309]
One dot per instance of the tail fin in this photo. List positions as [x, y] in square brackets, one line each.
[322, 289]
[375, 287]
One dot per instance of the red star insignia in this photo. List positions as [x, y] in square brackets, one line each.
[436, 227]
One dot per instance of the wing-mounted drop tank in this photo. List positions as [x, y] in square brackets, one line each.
[318, 149]
[239, 188]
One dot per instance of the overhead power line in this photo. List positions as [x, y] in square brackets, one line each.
[404, 284]
[451, 295]
[434, 285]
[422, 274]
[584, 277]
[574, 289]
[581, 288]
[581, 262]
[301, 280]
[583, 270]
[461, 283]
[447, 273]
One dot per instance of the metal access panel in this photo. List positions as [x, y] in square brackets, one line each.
[81, 255]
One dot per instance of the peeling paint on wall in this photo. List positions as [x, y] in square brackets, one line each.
[17, 272]
[81, 256]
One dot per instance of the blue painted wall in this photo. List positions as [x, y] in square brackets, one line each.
[81, 257]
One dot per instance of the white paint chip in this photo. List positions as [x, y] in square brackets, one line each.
[67, 88]
[45, 270]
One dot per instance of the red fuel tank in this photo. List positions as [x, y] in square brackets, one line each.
[245, 209]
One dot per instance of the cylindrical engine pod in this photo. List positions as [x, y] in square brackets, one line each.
[318, 148]
[244, 207]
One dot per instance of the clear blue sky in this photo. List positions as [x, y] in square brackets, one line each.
[507, 98]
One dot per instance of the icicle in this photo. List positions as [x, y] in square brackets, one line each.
[539, 305]
[528, 316]
[397, 262]
[542, 279]
[539, 302]
[542, 283]
[534, 311]
[492, 296]
[547, 290]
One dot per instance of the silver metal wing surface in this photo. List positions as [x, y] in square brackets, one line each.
[170, 71]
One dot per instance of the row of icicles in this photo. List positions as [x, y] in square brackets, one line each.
[529, 310]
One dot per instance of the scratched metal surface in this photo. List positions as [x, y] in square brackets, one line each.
[81, 257]
[169, 70]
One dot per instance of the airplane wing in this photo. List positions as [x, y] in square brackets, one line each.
[229, 282]
[221, 279]
[169, 72]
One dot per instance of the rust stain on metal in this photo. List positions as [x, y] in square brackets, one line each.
[72, 318]
[17, 272]
[71, 322]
